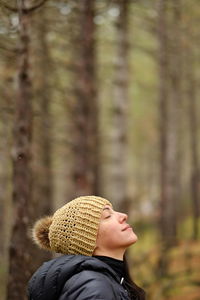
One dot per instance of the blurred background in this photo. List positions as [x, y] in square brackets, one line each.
[102, 97]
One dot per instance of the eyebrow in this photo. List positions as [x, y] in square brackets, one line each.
[108, 208]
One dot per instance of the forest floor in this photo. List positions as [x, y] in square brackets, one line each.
[181, 277]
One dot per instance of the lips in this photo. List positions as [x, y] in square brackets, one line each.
[126, 227]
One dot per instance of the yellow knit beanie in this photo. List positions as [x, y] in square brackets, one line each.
[73, 228]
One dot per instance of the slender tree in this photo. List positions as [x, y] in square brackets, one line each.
[163, 95]
[176, 109]
[6, 121]
[4, 146]
[20, 253]
[119, 113]
[170, 104]
[42, 125]
[193, 121]
[84, 109]
[19, 259]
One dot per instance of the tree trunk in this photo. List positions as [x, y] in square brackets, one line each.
[119, 115]
[170, 112]
[174, 128]
[42, 170]
[84, 110]
[20, 258]
[6, 121]
[163, 95]
[193, 121]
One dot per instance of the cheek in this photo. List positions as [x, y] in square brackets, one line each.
[107, 234]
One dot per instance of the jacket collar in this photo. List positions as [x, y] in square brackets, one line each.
[48, 281]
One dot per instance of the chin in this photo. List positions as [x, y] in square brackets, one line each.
[134, 239]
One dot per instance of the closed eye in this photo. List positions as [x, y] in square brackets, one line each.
[107, 217]
[107, 212]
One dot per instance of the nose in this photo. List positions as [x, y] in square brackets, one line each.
[122, 217]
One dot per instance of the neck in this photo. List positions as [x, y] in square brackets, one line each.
[113, 254]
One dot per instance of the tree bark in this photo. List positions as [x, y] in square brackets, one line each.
[20, 258]
[163, 98]
[84, 110]
[170, 112]
[119, 114]
[175, 113]
[5, 168]
[193, 121]
[42, 134]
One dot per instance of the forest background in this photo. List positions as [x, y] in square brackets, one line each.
[102, 97]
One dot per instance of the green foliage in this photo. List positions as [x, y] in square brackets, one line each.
[185, 230]
[3, 278]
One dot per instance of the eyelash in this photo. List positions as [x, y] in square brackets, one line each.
[107, 217]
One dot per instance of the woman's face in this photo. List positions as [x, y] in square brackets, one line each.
[114, 234]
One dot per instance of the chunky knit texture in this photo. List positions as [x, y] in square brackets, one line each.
[74, 226]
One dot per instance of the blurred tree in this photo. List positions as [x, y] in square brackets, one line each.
[119, 112]
[6, 121]
[20, 259]
[84, 108]
[170, 105]
[7, 71]
[42, 135]
[193, 121]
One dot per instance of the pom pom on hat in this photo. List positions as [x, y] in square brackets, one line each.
[40, 233]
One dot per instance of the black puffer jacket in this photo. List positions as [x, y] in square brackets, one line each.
[76, 277]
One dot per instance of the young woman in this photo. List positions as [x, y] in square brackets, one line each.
[93, 238]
